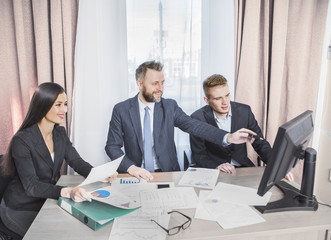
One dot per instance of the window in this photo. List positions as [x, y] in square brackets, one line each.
[168, 31]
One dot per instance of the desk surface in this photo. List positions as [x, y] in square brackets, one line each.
[54, 223]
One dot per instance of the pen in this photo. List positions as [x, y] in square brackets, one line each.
[253, 136]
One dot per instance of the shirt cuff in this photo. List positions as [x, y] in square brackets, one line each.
[225, 142]
[127, 170]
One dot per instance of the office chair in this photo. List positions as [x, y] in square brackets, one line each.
[5, 233]
[259, 162]
[188, 162]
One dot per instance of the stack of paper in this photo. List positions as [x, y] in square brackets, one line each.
[229, 205]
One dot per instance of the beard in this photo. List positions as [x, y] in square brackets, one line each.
[149, 97]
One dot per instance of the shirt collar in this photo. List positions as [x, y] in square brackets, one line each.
[228, 116]
[142, 105]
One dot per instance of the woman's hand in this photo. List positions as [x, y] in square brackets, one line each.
[77, 194]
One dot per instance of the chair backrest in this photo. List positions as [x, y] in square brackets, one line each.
[188, 162]
[4, 181]
[5, 233]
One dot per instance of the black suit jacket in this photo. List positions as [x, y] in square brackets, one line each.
[207, 154]
[125, 130]
[36, 174]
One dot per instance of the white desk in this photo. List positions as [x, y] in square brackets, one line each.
[52, 222]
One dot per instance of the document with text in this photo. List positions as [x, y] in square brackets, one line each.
[113, 197]
[139, 226]
[239, 194]
[100, 173]
[201, 212]
[199, 177]
[231, 215]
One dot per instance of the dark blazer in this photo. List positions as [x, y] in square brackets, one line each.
[36, 174]
[209, 155]
[125, 130]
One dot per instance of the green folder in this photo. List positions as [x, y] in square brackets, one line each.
[93, 214]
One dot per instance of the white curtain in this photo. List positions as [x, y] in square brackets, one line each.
[217, 44]
[100, 74]
[217, 55]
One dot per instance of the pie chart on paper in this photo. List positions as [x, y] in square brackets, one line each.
[101, 194]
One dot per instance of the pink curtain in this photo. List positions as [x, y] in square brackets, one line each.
[37, 43]
[278, 57]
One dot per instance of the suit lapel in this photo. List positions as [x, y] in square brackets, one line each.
[58, 148]
[235, 118]
[135, 119]
[210, 116]
[41, 147]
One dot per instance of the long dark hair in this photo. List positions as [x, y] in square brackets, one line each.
[41, 102]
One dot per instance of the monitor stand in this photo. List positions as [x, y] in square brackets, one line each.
[294, 200]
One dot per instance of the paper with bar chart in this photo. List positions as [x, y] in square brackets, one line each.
[128, 181]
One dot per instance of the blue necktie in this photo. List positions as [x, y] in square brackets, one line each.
[148, 150]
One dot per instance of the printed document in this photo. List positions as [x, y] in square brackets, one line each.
[138, 226]
[168, 199]
[201, 212]
[199, 177]
[100, 173]
[113, 197]
[155, 204]
[231, 215]
[128, 181]
[239, 194]
[228, 205]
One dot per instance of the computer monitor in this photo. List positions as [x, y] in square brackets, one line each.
[291, 145]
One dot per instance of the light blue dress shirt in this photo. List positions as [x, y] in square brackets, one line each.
[225, 124]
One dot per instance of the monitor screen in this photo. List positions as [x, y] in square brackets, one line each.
[289, 146]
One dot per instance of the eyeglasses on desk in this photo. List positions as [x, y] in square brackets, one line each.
[175, 230]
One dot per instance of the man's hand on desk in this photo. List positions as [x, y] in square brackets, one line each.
[112, 177]
[227, 168]
[140, 173]
[77, 194]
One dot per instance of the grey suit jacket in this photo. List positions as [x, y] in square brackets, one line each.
[36, 174]
[125, 130]
[207, 154]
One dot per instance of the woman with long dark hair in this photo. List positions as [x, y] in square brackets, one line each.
[34, 159]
